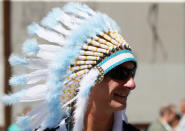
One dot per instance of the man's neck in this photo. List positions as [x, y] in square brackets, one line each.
[97, 119]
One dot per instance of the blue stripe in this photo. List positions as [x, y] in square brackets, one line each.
[114, 55]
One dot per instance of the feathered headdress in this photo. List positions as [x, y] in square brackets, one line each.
[68, 52]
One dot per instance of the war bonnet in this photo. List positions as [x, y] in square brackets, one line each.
[68, 52]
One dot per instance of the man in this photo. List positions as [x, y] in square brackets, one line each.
[167, 114]
[108, 97]
[182, 121]
[84, 61]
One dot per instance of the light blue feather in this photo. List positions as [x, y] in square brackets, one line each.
[82, 7]
[33, 28]
[57, 13]
[69, 9]
[23, 121]
[61, 62]
[17, 80]
[12, 98]
[49, 21]
[30, 47]
[74, 7]
[54, 100]
[15, 60]
[56, 113]
[54, 93]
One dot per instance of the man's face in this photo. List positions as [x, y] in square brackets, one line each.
[111, 94]
[171, 115]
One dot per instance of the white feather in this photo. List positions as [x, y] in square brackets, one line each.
[86, 10]
[79, 113]
[50, 48]
[37, 115]
[34, 93]
[48, 56]
[79, 14]
[37, 108]
[69, 18]
[70, 21]
[37, 64]
[36, 76]
[40, 118]
[69, 25]
[50, 36]
[61, 30]
[82, 100]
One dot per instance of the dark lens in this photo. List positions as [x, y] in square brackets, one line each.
[115, 74]
[124, 73]
[133, 72]
[121, 73]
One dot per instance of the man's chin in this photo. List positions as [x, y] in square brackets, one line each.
[119, 105]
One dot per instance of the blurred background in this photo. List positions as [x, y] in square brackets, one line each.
[155, 30]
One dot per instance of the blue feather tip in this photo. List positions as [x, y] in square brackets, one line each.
[49, 21]
[15, 60]
[33, 28]
[9, 99]
[17, 80]
[23, 121]
[57, 13]
[30, 47]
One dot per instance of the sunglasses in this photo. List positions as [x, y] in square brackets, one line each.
[121, 73]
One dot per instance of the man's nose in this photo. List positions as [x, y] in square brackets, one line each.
[130, 83]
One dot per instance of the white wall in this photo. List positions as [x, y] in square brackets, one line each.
[157, 82]
[1, 67]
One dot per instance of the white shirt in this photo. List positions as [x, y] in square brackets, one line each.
[182, 124]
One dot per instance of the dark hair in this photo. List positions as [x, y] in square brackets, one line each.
[177, 116]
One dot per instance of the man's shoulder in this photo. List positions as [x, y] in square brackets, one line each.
[129, 127]
[156, 126]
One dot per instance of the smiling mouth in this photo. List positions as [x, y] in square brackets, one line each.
[120, 98]
[120, 95]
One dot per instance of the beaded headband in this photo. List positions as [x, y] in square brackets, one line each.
[67, 53]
